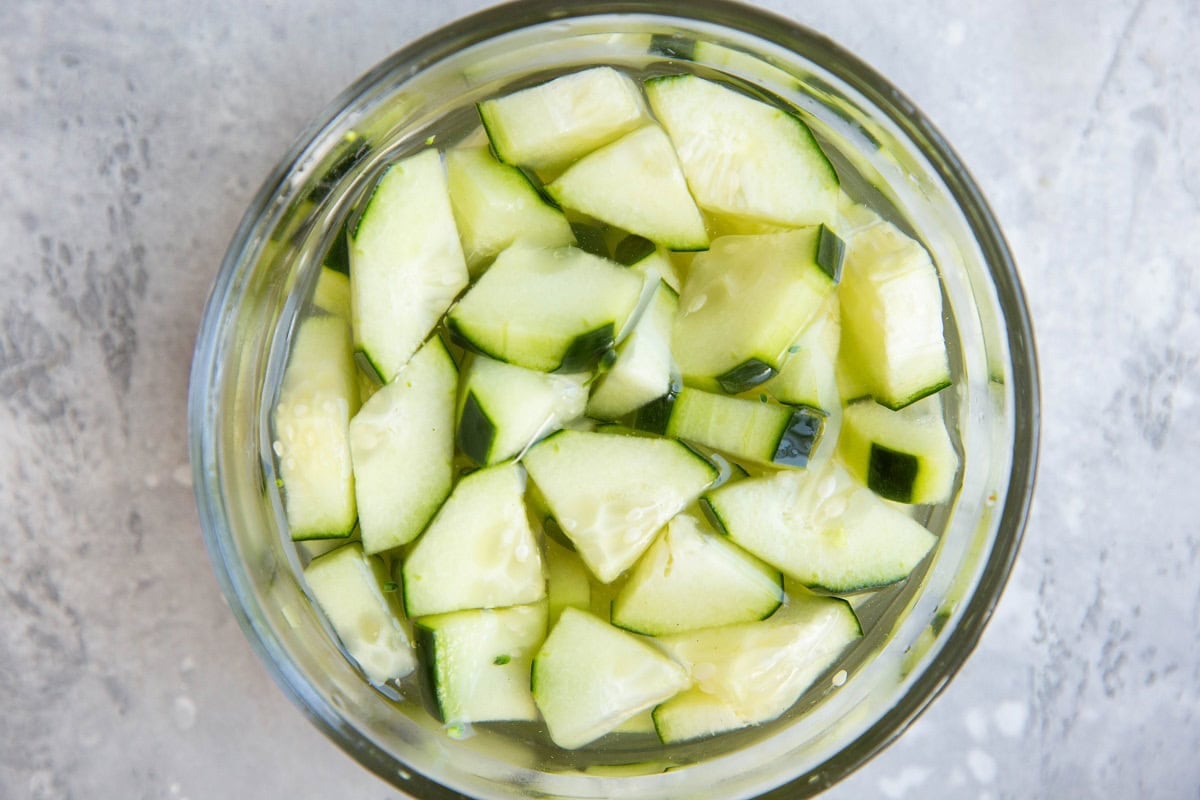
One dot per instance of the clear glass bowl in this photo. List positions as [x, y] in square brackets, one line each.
[919, 632]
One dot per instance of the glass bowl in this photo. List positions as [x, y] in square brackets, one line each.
[918, 633]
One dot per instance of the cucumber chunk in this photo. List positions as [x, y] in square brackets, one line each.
[611, 493]
[892, 317]
[495, 205]
[642, 371]
[402, 442]
[479, 551]
[567, 584]
[752, 673]
[332, 293]
[348, 586]
[548, 310]
[589, 677]
[406, 262]
[821, 528]
[636, 184]
[311, 421]
[744, 303]
[742, 157]
[504, 408]
[548, 126]
[479, 662]
[906, 455]
[691, 578]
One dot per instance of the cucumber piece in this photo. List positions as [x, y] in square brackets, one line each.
[808, 374]
[548, 310]
[479, 551]
[406, 263]
[640, 724]
[636, 184]
[612, 493]
[906, 455]
[348, 586]
[504, 408]
[821, 528]
[567, 584]
[479, 662]
[642, 371]
[752, 673]
[743, 157]
[402, 443]
[311, 421]
[750, 430]
[689, 579]
[746, 300]
[550, 125]
[495, 205]
[589, 677]
[332, 293]
[892, 316]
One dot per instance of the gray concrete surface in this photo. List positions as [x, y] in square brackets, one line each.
[133, 134]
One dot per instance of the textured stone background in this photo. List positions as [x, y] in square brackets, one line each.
[133, 134]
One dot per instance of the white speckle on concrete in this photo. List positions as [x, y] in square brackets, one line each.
[182, 475]
[982, 766]
[897, 786]
[183, 711]
[977, 724]
[1010, 717]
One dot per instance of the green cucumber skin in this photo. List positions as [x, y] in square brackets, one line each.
[912, 398]
[800, 437]
[476, 431]
[590, 238]
[632, 249]
[892, 474]
[745, 376]
[831, 253]
[655, 415]
[588, 349]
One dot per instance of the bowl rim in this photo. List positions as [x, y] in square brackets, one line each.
[431, 48]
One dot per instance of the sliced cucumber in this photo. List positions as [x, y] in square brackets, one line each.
[636, 184]
[822, 528]
[406, 263]
[479, 551]
[892, 316]
[589, 677]
[746, 300]
[567, 584]
[752, 673]
[743, 157]
[548, 310]
[348, 585]
[311, 421]
[479, 662]
[495, 205]
[906, 455]
[642, 371]
[808, 375]
[402, 441]
[504, 408]
[658, 262]
[611, 493]
[548, 126]
[691, 578]
[332, 294]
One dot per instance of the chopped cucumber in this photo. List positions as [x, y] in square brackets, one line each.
[402, 441]
[589, 677]
[311, 421]
[504, 408]
[745, 301]
[657, 262]
[751, 673]
[742, 157]
[808, 375]
[642, 371]
[332, 294]
[636, 184]
[905, 455]
[406, 262]
[691, 578]
[479, 551]
[567, 583]
[548, 310]
[822, 528]
[495, 205]
[892, 316]
[348, 585]
[479, 662]
[611, 493]
[550, 125]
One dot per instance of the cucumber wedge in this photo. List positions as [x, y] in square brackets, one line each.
[905, 455]
[742, 157]
[479, 551]
[611, 493]
[549, 310]
[402, 442]
[479, 662]
[406, 262]
[311, 421]
[332, 293]
[348, 586]
[691, 578]
[567, 583]
[589, 677]
[636, 184]
[642, 371]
